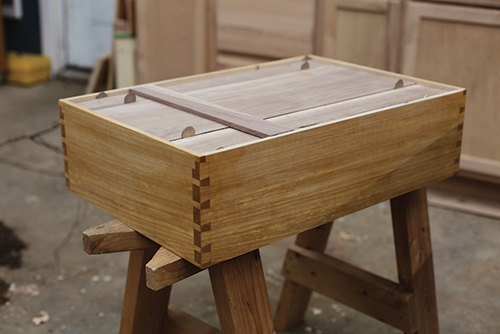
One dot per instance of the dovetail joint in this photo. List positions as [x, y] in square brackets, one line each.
[201, 247]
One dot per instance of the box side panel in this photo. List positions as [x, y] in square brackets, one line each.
[272, 189]
[145, 183]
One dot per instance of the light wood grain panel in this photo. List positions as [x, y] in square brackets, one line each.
[157, 119]
[483, 3]
[298, 90]
[467, 194]
[228, 137]
[174, 38]
[461, 46]
[231, 60]
[144, 182]
[275, 28]
[361, 37]
[253, 189]
[243, 122]
[238, 75]
[365, 32]
[108, 102]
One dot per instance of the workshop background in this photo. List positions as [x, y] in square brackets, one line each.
[61, 48]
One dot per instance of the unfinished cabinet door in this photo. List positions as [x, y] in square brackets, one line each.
[266, 28]
[365, 32]
[174, 38]
[461, 46]
[484, 3]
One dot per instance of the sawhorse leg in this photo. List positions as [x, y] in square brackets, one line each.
[144, 310]
[239, 287]
[295, 297]
[409, 305]
[412, 238]
[241, 296]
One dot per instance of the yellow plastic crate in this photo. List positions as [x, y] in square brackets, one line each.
[27, 69]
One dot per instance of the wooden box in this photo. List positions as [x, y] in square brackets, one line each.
[318, 139]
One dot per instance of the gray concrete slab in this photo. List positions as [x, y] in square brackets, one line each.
[83, 293]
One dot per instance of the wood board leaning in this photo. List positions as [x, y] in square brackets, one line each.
[355, 140]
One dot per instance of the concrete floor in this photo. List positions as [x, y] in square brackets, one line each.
[83, 293]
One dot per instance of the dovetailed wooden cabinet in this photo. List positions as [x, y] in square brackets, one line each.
[216, 165]
[461, 46]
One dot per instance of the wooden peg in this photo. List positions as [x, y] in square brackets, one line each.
[101, 95]
[114, 236]
[188, 132]
[166, 268]
[129, 98]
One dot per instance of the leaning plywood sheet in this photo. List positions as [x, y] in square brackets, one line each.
[294, 144]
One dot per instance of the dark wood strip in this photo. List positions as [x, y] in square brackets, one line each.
[254, 126]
